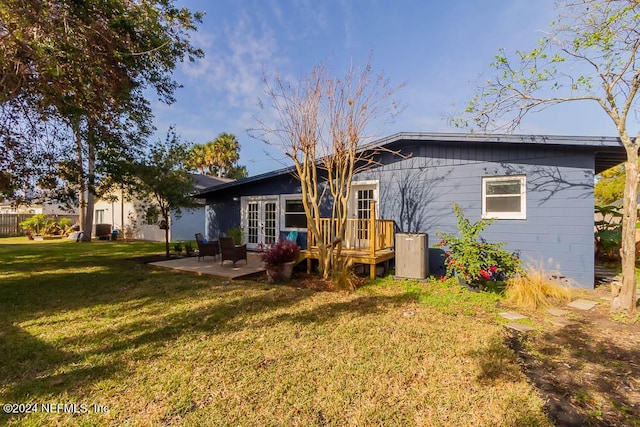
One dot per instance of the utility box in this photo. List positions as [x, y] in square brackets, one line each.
[412, 255]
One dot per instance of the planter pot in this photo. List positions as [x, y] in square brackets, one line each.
[279, 272]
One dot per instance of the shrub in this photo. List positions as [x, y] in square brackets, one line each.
[536, 287]
[279, 253]
[236, 235]
[188, 248]
[177, 247]
[65, 225]
[608, 231]
[37, 224]
[42, 224]
[471, 257]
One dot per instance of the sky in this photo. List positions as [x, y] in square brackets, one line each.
[439, 50]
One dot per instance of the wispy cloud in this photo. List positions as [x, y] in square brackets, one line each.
[235, 59]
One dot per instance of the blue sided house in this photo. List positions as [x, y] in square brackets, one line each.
[538, 189]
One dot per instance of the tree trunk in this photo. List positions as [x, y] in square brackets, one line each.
[80, 177]
[166, 234]
[90, 186]
[121, 211]
[626, 300]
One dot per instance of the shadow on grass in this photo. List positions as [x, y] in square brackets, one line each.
[33, 367]
[44, 286]
[150, 309]
[143, 338]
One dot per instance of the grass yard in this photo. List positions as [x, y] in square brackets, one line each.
[85, 324]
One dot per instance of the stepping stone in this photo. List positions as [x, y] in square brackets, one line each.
[558, 312]
[520, 327]
[510, 315]
[582, 304]
[562, 322]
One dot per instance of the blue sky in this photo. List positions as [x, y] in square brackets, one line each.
[438, 49]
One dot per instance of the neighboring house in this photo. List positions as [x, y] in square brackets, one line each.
[539, 189]
[47, 208]
[139, 219]
[11, 215]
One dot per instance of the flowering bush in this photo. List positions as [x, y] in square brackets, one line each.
[473, 258]
[279, 253]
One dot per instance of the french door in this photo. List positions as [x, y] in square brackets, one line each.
[260, 221]
[362, 195]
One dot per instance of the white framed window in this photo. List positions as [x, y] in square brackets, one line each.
[504, 197]
[99, 216]
[293, 216]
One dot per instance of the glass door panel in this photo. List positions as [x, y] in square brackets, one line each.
[270, 222]
[363, 212]
[253, 223]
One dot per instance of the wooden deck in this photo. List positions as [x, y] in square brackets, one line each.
[365, 241]
[357, 256]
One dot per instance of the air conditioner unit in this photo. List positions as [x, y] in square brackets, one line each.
[412, 255]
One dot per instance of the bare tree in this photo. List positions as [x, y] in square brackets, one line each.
[321, 123]
[590, 54]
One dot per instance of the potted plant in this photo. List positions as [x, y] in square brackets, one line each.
[279, 260]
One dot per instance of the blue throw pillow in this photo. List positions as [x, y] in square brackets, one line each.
[204, 240]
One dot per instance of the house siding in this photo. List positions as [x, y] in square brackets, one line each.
[558, 229]
[421, 175]
[220, 217]
[224, 211]
[187, 224]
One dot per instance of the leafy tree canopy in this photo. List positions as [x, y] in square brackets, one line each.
[610, 186]
[77, 71]
[591, 53]
[163, 178]
[218, 157]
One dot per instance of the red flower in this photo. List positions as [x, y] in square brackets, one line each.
[493, 269]
[485, 274]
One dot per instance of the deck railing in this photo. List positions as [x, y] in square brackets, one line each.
[365, 235]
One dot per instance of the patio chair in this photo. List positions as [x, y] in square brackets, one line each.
[207, 248]
[232, 252]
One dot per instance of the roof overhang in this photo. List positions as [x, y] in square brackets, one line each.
[608, 151]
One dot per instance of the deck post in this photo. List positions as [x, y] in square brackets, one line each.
[372, 240]
[372, 229]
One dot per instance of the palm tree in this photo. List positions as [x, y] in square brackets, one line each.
[201, 158]
[217, 157]
[227, 152]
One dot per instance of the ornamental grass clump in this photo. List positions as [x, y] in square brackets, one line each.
[470, 257]
[536, 287]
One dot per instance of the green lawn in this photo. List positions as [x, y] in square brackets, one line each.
[84, 324]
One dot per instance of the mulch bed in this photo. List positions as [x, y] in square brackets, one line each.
[146, 259]
[589, 373]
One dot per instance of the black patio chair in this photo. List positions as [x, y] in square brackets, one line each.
[232, 252]
[207, 248]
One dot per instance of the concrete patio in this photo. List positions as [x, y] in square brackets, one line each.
[211, 267]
